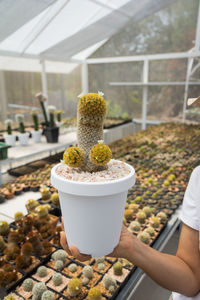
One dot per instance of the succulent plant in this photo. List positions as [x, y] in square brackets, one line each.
[134, 207]
[74, 287]
[31, 204]
[27, 249]
[47, 247]
[91, 154]
[59, 264]
[109, 282]
[144, 237]
[59, 255]
[94, 294]
[51, 110]
[150, 230]
[88, 272]
[45, 192]
[42, 271]
[38, 289]
[2, 244]
[4, 228]
[162, 216]
[155, 222]
[28, 284]
[34, 239]
[42, 210]
[85, 280]
[134, 226]
[101, 266]
[128, 214]
[141, 217]
[48, 295]
[147, 210]
[11, 251]
[57, 279]
[72, 268]
[18, 216]
[8, 124]
[55, 199]
[10, 297]
[100, 259]
[117, 269]
[14, 237]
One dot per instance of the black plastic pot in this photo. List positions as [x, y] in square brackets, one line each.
[51, 134]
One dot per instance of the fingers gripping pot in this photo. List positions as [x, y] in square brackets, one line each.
[92, 211]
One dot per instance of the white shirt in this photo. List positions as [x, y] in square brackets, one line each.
[190, 214]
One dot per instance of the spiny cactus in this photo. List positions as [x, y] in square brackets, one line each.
[42, 271]
[48, 295]
[18, 216]
[109, 283]
[4, 228]
[117, 269]
[59, 264]
[134, 226]
[55, 199]
[90, 155]
[28, 284]
[31, 205]
[72, 268]
[42, 210]
[150, 230]
[147, 210]
[144, 237]
[57, 279]
[59, 255]
[162, 216]
[34, 239]
[38, 289]
[155, 222]
[88, 272]
[94, 294]
[141, 217]
[11, 252]
[10, 297]
[74, 287]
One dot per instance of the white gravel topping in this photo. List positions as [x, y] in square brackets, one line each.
[116, 170]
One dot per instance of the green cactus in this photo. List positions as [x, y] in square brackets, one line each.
[31, 205]
[88, 272]
[57, 279]
[162, 216]
[141, 217]
[38, 289]
[59, 255]
[28, 284]
[150, 230]
[109, 283]
[147, 210]
[42, 271]
[117, 269]
[91, 154]
[134, 226]
[72, 268]
[74, 287]
[59, 264]
[18, 216]
[155, 222]
[144, 237]
[55, 199]
[48, 295]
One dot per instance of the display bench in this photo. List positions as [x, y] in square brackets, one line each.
[135, 279]
[20, 155]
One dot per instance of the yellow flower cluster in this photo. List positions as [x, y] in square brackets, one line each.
[73, 157]
[92, 104]
[100, 154]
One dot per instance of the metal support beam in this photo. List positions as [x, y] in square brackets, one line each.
[145, 93]
[44, 81]
[85, 84]
[3, 96]
[42, 25]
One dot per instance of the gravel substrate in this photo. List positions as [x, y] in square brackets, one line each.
[116, 170]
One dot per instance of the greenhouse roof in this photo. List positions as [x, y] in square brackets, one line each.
[63, 30]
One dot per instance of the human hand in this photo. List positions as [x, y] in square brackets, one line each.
[122, 250]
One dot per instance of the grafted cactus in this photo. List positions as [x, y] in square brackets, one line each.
[91, 154]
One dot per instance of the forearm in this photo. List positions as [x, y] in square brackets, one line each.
[169, 271]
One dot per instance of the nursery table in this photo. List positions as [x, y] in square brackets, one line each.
[20, 155]
[127, 292]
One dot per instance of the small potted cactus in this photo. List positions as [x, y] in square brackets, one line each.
[10, 138]
[51, 131]
[36, 133]
[92, 188]
[23, 136]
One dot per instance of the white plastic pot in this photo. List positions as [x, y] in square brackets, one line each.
[10, 139]
[23, 138]
[93, 211]
[36, 135]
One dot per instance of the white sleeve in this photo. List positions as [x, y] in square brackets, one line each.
[189, 214]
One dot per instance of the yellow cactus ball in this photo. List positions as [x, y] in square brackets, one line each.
[92, 104]
[100, 154]
[94, 294]
[73, 157]
[74, 286]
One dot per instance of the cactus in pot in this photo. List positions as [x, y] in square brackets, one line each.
[10, 138]
[91, 160]
[23, 136]
[36, 133]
